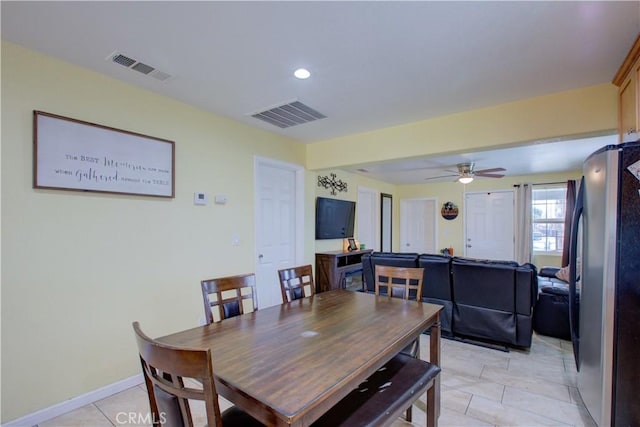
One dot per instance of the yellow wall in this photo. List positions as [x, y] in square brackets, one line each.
[451, 232]
[78, 268]
[577, 112]
[354, 181]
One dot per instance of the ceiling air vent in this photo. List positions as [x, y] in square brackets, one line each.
[287, 115]
[141, 67]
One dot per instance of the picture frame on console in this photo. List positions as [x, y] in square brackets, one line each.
[352, 244]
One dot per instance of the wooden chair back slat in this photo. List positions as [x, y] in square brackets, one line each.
[296, 282]
[225, 297]
[401, 282]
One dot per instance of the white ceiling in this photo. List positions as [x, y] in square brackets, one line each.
[543, 157]
[373, 64]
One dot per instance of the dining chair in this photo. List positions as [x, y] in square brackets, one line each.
[405, 283]
[296, 282]
[173, 375]
[229, 296]
[400, 282]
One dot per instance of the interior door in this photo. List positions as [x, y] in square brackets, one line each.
[418, 226]
[489, 225]
[367, 217]
[279, 225]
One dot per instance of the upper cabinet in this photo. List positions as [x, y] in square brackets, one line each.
[628, 81]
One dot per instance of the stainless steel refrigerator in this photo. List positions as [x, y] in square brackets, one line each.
[605, 285]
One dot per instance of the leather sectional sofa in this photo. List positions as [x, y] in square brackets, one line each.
[486, 300]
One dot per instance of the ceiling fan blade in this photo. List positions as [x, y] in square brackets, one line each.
[439, 177]
[489, 175]
[489, 170]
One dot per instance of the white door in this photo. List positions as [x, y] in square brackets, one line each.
[418, 226]
[279, 225]
[489, 232]
[367, 218]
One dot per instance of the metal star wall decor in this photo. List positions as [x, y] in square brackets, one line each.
[331, 182]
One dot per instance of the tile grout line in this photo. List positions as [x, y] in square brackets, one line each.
[105, 415]
[468, 404]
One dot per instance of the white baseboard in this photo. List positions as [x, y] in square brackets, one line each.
[45, 414]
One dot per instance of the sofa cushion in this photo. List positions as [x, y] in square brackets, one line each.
[483, 285]
[555, 290]
[488, 262]
[436, 282]
[547, 271]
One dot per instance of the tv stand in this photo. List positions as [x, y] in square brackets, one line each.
[333, 267]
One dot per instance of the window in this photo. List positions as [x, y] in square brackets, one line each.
[549, 207]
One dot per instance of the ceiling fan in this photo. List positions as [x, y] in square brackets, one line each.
[466, 173]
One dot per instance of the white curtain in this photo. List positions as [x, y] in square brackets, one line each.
[523, 223]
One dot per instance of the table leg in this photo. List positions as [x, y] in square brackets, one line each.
[433, 398]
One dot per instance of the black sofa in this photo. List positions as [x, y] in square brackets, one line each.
[551, 316]
[487, 300]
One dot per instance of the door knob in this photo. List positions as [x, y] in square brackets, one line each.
[260, 256]
[468, 246]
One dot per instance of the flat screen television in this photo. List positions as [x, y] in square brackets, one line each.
[334, 218]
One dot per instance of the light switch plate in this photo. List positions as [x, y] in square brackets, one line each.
[199, 198]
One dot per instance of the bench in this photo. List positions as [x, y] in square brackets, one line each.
[385, 395]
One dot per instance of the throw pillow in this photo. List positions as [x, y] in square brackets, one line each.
[563, 274]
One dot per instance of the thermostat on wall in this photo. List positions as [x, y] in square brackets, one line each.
[199, 199]
[220, 199]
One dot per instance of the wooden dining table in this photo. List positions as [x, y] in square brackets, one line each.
[286, 365]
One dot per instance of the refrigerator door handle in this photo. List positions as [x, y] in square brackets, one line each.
[574, 297]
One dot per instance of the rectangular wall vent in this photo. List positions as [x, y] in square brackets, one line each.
[287, 115]
[141, 67]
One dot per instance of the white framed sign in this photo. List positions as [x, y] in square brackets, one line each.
[70, 154]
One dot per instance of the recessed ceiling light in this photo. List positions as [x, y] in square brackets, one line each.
[302, 73]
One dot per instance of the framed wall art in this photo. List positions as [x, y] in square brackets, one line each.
[449, 211]
[70, 154]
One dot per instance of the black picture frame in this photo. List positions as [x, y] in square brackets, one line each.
[352, 244]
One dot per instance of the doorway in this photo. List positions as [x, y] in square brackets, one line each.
[279, 224]
[367, 217]
[489, 222]
[418, 226]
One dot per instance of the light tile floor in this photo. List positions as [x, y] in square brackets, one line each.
[479, 387]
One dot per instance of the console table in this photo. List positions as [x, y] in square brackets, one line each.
[333, 267]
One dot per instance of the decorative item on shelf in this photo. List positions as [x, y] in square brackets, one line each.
[330, 182]
[447, 251]
[350, 244]
[449, 211]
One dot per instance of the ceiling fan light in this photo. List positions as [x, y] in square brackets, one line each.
[465, 179]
